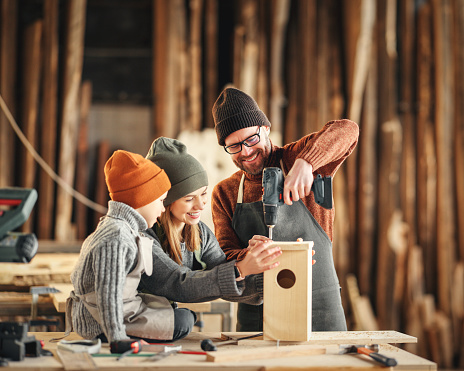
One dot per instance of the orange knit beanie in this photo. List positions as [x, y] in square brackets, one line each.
[134, 180]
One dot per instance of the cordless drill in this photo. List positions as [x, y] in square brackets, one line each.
[273, 189]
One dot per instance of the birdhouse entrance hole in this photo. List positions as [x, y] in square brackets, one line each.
[286, 278]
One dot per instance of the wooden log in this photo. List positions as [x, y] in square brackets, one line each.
[48, 136]
[195, 90]
[280, 10]
[444, 120]
[82, 165]
[74, 52]
[211, 60]
[8, 63]
[30, 105]
[425, 148]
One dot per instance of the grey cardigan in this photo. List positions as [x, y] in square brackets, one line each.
[185, 284]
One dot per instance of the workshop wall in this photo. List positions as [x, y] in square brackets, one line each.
[82, 78]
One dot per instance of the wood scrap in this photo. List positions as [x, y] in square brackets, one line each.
[264, 352]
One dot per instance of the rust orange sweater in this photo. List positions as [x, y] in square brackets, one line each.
[325, 150]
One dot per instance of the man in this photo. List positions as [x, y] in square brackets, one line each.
[243, 129]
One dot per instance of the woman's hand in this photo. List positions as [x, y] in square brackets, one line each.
[260, 256]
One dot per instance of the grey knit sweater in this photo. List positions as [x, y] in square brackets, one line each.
[185, 283]
[106, 258]
[110, 253]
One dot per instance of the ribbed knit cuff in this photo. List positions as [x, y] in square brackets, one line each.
[313, 156]
[226, 280]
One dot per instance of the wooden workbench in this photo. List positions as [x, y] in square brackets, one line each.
[329, 342]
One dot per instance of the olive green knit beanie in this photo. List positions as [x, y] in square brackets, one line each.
[185, 173]
[235, 110]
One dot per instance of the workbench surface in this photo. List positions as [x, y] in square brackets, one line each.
[324, 342]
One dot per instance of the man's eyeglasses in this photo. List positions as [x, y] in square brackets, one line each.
[251, 141]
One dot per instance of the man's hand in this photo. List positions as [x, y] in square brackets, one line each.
[298, 182]
[259, 257]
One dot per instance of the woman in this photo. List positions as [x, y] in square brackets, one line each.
[188, 263]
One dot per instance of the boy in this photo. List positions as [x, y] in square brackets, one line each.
[105, 300]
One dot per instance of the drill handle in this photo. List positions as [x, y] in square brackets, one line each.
[322, 189]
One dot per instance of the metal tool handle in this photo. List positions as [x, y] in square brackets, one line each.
[387, 361]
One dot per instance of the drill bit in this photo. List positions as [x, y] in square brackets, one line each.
[270, 233]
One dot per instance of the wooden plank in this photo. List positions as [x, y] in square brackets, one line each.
[195, 87]
[367, 184]
[264, 353]
[407, 103]
[82, 165]
[210, 51]
[48, 136]
[30, 105]
[280, 10]
[160, 65]
[74, 55]
[458, 11]
[338, 337]
[444, 121]
[41, 271]
[308, 66]
[249, 62]
[8, 66]
[388, 184]
[425, 147]
[287, 305]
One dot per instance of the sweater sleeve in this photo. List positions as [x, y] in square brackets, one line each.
[180, 283]
[111, 265]
[329, 147]
[213, 256]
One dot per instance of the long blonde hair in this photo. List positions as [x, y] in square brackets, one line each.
[172, 240]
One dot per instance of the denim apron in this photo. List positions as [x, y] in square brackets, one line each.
[293, 221]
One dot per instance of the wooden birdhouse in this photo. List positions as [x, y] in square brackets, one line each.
[287, 294]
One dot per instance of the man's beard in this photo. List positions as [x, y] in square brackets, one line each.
[263, 155]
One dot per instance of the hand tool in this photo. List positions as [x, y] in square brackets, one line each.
[273, 188]
[208, 345]
[371, 351]
[125, 347]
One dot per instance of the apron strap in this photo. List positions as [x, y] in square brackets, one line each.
[240, 190]
[68, 318]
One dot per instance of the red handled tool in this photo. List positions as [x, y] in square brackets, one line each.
[371, 351]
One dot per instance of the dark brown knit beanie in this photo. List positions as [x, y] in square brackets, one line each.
[235, 110]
